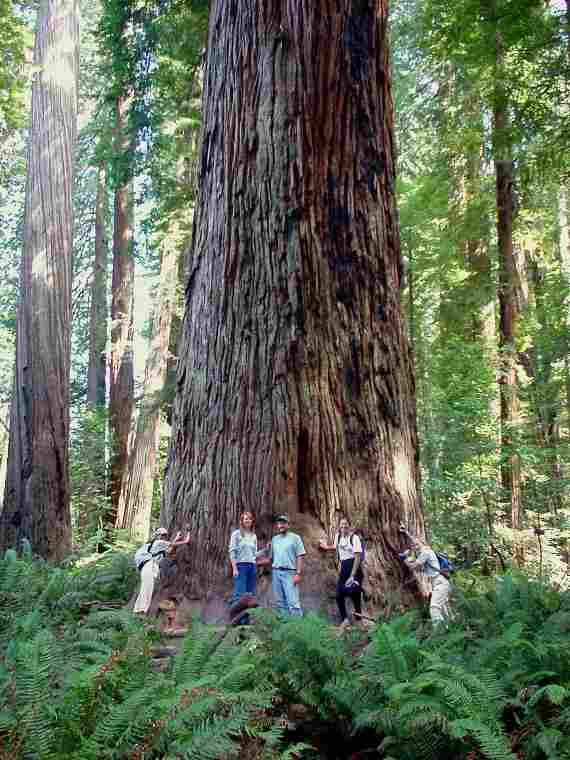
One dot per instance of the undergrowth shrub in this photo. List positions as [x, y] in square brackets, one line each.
[494, 684]
[79, 685]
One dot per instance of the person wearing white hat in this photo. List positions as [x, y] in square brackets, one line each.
[147, 560]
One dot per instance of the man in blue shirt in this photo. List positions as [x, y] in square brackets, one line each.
[287, 555]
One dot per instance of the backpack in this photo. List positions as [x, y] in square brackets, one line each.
[446, 566]
[144, 554]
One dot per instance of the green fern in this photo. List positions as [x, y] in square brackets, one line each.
[493, 745]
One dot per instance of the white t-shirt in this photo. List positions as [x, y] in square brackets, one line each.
[347, 546]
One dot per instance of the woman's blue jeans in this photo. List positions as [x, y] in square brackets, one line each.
[245, 583]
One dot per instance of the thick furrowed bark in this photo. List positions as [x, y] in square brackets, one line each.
[36, 504]
[295, 390]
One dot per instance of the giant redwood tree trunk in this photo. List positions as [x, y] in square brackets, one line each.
[295, 390]
[36, 502]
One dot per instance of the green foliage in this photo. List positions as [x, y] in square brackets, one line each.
[76, 685]
[447, 80]
[460, 690]
[14, 38]
[80, 686]
[301, 658]
[89, 502]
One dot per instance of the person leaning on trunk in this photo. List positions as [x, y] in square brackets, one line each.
[427, 563]
[158, 547]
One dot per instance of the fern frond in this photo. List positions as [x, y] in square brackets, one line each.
[197, 649]
[214, 738]
[493, 744]
[553, 692]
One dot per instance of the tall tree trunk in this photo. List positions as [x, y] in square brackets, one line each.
[540, 365]
[188, 180]
[295, 389]
[508, 292]
[564, 244]
[135, 502]
[136, 494]
[89, 500]
[97, 368]
[4, 441]
[36, 505]
[121, 386]
[564, 259]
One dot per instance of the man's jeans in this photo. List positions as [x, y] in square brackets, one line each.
[285, 593]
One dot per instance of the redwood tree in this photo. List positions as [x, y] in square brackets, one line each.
[122, 378]
[97, 367]
[135, 500]
[36, 503]
[116, 35]
[295, 389]
[508, 295]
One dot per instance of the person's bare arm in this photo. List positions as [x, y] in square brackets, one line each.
[326, 547]
[263, 556]
[298, 575]
[355, 564]
[179, 541]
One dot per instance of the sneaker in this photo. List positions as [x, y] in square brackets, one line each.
[345, 625]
